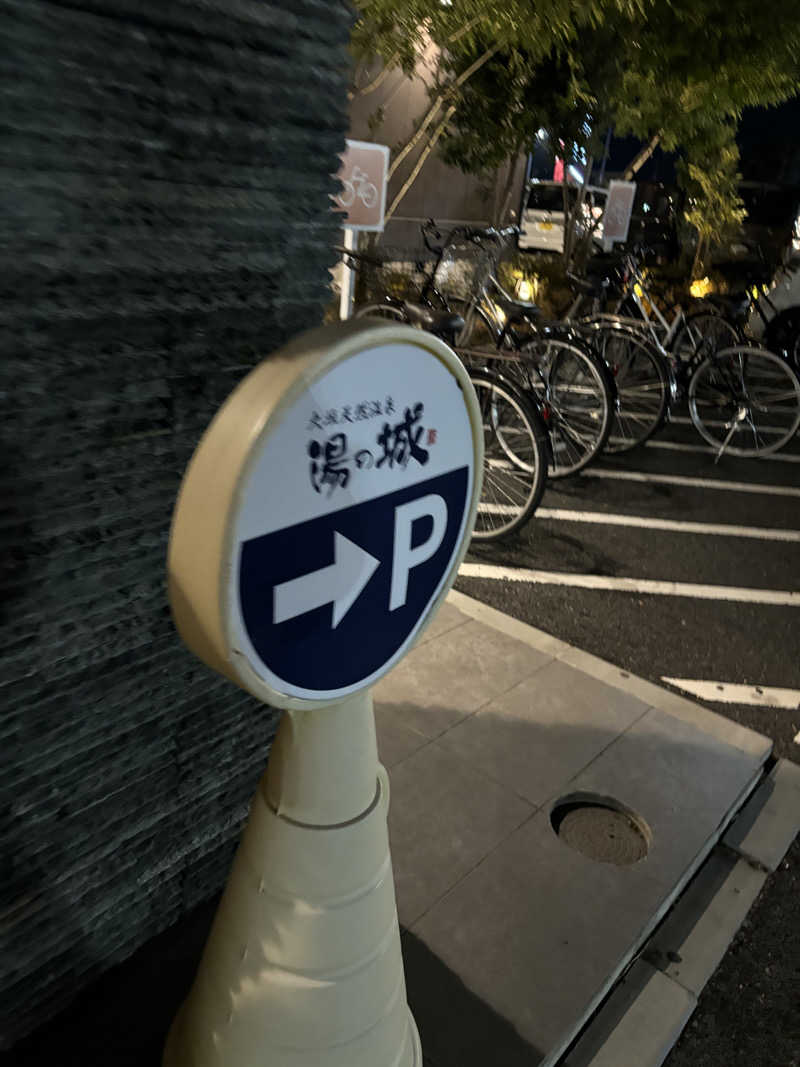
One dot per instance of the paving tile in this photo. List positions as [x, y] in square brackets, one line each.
[679, 779]
[447, 678]
[396, 741]
[690, 943]
[541, 733]
[656, 696]
[638, 1025]
[443, 819]
[507, 624]
[446, 618]
[769, 822]
[537, 930]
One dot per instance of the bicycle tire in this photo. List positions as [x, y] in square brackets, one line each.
[642, 382]
[576, 396]
[702, 334]
[733, 388]
[381, 310]
[515, 458]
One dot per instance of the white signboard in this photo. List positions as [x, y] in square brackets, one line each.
[351, 516]
[617, 215]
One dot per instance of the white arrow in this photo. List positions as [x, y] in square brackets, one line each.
[340, 584]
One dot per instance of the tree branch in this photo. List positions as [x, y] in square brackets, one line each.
[434, 108]
[376, 81]
[388, 66]
[464, 29]
[641, 157]
[429, 147]
[411, 144]
[508, 187]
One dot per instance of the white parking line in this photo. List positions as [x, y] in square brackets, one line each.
[696, 483]
[782, 597]
[707, 450]
[728, 693]
[715, 528]
[684, 420]
[602, 518]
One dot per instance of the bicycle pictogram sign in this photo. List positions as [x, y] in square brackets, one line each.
[362, 176]
[358, 185]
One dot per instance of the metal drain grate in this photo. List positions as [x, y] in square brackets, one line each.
[601, 832]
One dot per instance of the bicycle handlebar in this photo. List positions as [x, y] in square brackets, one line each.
[491, 233]
[359, 257]
[430, 231]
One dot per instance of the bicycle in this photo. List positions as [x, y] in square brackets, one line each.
[780, 328]
[742, 398]
[641, 374]
[516, 450]
[571, 388]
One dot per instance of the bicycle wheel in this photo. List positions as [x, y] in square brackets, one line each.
[515, 458]
[642, 382]
[478, 330]
[576, 396]
[745, 401]
[702, 335]
[380, 311]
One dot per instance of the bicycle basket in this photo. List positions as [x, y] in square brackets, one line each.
[464, 266]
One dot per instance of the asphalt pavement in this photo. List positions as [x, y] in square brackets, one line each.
[674, 566]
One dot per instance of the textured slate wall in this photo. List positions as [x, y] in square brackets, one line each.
[164, 181]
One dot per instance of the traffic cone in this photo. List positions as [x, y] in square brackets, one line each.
[303, 965]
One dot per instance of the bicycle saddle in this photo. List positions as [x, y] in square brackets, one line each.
[437, 322]
[597, 284]
[516, 309]
[735, 304]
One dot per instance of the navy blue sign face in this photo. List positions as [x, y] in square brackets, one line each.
[328, 602]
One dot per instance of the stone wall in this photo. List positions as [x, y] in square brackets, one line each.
[164, 179]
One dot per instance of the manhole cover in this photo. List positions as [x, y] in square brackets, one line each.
[601, 832]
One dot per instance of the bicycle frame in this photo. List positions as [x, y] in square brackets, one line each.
[662, 332]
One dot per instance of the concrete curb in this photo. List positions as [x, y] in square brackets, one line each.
[770, 821]
[638, 1024]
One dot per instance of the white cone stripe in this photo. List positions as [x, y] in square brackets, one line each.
[695, 483]
[780, 597]
[731, 693]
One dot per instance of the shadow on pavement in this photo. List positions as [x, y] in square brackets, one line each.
[122, 1019]
[457, 1028]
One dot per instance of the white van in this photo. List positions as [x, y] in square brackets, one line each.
[542, 225]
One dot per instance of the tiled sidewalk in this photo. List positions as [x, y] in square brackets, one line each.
[483, 727]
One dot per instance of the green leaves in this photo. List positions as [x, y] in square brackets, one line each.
[679, 69]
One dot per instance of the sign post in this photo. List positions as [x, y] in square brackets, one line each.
[319, 525]
[363, 201]
[617, 214]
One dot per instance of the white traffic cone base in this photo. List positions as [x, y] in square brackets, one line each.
[303, 966]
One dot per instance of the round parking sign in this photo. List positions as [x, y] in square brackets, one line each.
[326, 511]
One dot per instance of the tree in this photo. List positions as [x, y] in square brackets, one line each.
[463, 37]
[673, 74]
[714, 209]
